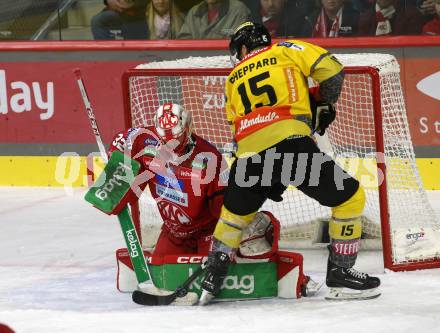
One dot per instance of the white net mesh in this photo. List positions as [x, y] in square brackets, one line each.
[351, 139]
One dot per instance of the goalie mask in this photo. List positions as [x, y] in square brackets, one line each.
[251, 35]
[173, 125]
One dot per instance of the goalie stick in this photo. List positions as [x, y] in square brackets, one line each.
[143, 298]
[131, 237]
[90, 114]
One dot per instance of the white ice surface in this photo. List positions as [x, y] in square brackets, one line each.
[57, 274]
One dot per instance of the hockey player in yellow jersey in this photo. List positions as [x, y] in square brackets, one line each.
[273, 116]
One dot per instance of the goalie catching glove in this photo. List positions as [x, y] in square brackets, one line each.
[323, 114]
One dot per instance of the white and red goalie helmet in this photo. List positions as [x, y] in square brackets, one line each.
[173, 125]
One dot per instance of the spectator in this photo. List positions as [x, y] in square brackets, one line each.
[390, 17]
[333, 18]
[283, 18]
[426, 7]
[433, 26]
[121, 19]
[213, 19]
[361, 5]
[164, 19]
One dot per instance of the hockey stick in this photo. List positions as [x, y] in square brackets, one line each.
[131, 237]
[90, 114]
[142, 298]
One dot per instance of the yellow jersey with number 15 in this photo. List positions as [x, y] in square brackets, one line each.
[267, 94]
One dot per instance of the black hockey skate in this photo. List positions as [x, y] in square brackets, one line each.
[217, 268]
[348, 283]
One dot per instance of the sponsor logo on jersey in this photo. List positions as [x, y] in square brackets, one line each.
[259, 119]
[292, 46]
[154, 165]
[170, 181]
[254, 53]
[186, 173]
[151, 142]
[172, 195]
[292, 85]
[199, 164]
[173, 213]
[131, 133]
[245, 123]
[150, 151]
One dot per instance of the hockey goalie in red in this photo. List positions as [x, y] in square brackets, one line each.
[184, 173]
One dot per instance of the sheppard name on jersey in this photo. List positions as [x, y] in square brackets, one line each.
[253, 65]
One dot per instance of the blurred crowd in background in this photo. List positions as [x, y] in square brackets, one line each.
[217, 19]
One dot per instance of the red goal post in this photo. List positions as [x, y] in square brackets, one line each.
[370, 138]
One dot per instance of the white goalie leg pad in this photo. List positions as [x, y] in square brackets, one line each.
[260, 237]
[346, 294]
[205, 298]
[149, 288]
[190, 298]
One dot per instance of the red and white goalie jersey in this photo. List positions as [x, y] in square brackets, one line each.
[188, 189]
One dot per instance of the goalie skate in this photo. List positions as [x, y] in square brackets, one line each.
[346, 294]
[311, 288]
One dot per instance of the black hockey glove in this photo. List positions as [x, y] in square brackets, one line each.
[323, 115]
[217, 268]
[276, 192]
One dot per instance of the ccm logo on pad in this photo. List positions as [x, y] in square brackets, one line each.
[190, 260]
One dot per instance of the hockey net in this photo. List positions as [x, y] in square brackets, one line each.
[370, 139]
